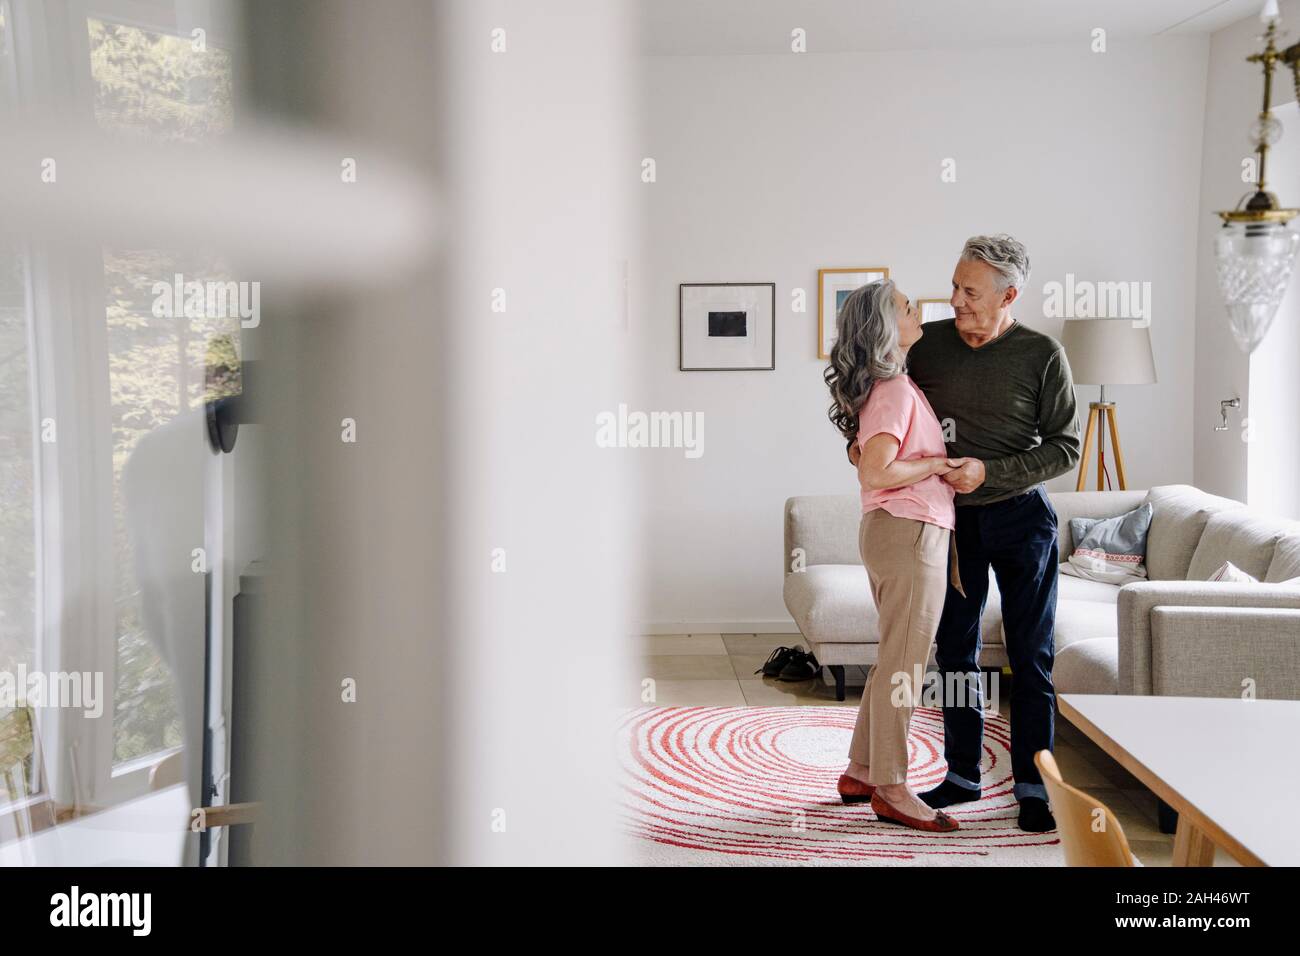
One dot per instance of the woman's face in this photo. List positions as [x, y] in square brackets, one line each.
[909, 320]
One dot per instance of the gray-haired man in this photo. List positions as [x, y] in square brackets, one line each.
[1006, 398]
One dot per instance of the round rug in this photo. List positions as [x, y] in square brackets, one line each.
[743, 786]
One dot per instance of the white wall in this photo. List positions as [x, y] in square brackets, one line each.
[770, 167]
[1222, 371]
[1273, 454]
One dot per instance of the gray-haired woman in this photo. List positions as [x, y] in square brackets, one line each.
[904, 536]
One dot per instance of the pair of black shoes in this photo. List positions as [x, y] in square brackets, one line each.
[1035, 815]
[790, 663]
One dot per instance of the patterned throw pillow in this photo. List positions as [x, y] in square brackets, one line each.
[1111, 550]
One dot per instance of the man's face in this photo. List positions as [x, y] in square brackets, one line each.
[977, 298]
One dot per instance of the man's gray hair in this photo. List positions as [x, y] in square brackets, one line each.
[1004, 253]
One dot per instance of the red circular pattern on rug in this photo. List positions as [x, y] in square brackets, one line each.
[757, 785]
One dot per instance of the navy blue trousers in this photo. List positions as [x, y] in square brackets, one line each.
[1017, 539]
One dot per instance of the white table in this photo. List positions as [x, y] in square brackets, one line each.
[1229, 767]
[147, 831]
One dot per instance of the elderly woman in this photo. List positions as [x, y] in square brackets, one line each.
[904, 536]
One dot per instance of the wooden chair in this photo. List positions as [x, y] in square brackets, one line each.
[1090, 833]
[169, 771]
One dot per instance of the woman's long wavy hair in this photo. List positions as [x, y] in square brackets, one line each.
[865, 351]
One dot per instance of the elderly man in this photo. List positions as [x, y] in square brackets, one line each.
[1005, 396]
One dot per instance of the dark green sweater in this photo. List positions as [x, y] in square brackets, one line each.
[1009, 403]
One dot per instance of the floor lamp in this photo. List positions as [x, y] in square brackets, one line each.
[1106, 352]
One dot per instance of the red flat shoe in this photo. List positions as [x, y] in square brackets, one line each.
[942, 823]
[854, 791]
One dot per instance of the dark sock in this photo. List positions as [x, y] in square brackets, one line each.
[1035, 816]
[948, 793]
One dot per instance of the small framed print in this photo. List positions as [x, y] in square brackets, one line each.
[833, 287]
[932, 310]
[726, 326]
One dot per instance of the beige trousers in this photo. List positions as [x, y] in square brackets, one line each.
[908, 564]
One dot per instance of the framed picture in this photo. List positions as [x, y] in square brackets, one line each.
[726, 326]
[833, 287]
[932, 310]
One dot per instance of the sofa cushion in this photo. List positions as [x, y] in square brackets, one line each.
[1088, 667]
[1085, 610]
[1179, 515]
[1286, 560]
[824, 528]
[832, 603]
[1246, 538]
[1081, 589]
[991, 622]
[1069, 505]
[1111, 550]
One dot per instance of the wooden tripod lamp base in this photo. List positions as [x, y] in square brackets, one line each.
[1096, 410]
[1107, 352]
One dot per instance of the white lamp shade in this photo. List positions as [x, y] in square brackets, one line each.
[1109, 352]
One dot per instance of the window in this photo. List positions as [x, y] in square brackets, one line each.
[156, 372]
[156, 86]
[18, 553]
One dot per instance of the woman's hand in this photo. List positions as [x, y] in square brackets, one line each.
[940, 466]
[880, 469]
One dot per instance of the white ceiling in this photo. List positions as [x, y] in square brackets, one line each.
[684, 27]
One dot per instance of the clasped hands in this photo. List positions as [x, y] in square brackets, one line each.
[964, 474]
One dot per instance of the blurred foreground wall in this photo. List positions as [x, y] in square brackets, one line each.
[466, 559]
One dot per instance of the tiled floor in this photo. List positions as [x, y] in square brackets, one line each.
[718, 670]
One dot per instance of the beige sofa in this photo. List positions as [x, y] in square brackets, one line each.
[1176, 634]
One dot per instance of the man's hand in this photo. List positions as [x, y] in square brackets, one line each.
[967, 474]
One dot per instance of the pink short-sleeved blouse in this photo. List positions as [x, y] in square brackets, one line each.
[897, 407]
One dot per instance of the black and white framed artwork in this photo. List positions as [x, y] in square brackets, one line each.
[726, 326]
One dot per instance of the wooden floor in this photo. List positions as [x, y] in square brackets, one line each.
[718, 670]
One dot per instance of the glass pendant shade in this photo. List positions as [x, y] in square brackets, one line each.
[1255, 260]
